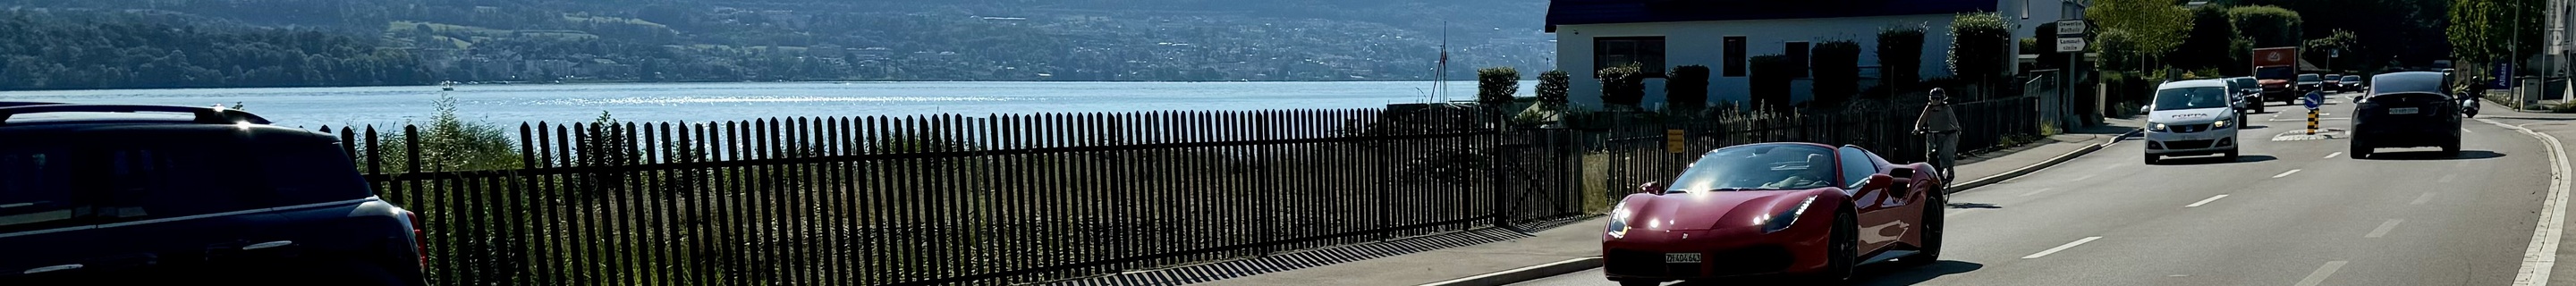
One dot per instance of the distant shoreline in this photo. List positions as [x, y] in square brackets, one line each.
[433, 85]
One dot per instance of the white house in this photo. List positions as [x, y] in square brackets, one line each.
[1660, 34]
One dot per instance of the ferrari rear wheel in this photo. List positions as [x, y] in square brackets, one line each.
[1935, 212]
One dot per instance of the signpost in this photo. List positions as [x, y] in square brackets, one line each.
[2070, 40]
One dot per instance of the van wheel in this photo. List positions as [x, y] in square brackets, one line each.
[2151, 159]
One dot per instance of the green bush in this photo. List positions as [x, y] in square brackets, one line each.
[2267, 26]
[1622, 85]
[1770, 81]
[1900, 56]
[1837, 71]
[1552, 87]
[450, 143]
[1686, 89]
[1495, 86]
[1980, 46]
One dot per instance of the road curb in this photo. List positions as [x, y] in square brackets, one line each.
[1524, 273]
[2025, 170]
[2525, 117]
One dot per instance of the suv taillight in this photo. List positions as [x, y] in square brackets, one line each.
[419, 238]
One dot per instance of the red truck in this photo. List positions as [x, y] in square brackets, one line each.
[2274, 69]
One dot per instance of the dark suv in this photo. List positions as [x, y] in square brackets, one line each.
[210, 196]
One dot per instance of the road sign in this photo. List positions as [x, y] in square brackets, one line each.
[2068, 45]
[2314, 99]
[2504, 76]
[2070, 27]
[1673, 141]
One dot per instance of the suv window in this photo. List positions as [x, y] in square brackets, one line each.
[57, 184]
[1856, 165]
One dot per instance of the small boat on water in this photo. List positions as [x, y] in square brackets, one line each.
[447, 86]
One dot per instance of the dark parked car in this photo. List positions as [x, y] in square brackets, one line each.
[2352, 83]
[2403, 110]
[111, 195]
[2248, 93]
[2310, 82]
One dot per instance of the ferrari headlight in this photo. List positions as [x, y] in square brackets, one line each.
[1782, 220]
[2158, 127]
[1619, 221]
[2219, 124]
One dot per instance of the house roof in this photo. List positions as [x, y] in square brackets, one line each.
[1580, 12]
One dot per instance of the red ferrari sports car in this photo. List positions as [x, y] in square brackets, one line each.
[1776, 209]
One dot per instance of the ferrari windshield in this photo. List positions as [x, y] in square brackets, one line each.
[2191, 98]
[1759, 167]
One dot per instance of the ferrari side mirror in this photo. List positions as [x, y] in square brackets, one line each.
[1878, 182]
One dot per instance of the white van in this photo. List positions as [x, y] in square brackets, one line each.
[2192, 117]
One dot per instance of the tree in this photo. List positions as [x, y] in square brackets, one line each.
[2338, 41]
[1552, 87]
[1495, 86]
[1900, 55]
[1980, 48]
[2160, 26]
[1686, 89]
[2212, 37]
[2267, 26]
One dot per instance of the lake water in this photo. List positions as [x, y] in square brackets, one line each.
[699, 102]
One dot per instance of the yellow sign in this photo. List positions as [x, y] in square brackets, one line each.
[1673, 141]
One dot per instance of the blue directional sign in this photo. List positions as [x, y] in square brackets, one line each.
[2314, 99]
[2504, 76]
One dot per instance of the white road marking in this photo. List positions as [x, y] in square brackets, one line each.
[2205, 201]
[2084, 177]
[2543, 253]
[2286, 174]
[2322, 272]
[2427, 197]
[2467, 130]
[2061, 247]
[2383, 228]
[2041, 190]
[2332, 155]
[2446, 178]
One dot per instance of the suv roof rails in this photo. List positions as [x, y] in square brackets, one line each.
[205, 115]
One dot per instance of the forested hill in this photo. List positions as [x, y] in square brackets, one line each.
[760, 40]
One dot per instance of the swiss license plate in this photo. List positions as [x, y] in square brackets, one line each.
[2401, 110]
[1681, 258]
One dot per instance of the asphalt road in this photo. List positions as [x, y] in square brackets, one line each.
[2295, 212]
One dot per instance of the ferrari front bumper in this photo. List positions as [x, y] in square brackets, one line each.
[1646, 255]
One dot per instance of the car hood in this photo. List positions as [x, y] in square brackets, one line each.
[1709, 210]
[2190, 116]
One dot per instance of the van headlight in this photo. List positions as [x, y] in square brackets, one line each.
[2219, 124]
[2158, 127]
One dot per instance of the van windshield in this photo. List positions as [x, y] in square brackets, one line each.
[2191, 98]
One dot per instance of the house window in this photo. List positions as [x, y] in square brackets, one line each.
[1645, 52]
[1797, 52]
[1734, 56]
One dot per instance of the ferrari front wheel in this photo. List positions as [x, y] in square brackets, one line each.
[1842, 248]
